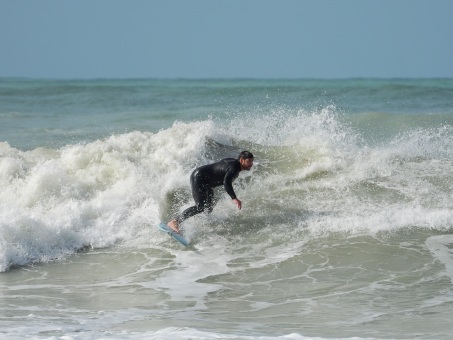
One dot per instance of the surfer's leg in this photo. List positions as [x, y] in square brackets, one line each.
[203, 196]
[176, 222]
[209, 202]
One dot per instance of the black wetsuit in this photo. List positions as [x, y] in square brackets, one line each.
[204, 179]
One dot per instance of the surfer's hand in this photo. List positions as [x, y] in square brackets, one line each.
[238, 203]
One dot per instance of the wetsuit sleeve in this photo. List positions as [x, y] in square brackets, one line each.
[230, 176]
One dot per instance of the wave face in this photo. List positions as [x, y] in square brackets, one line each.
[347, 214]
[313, 171]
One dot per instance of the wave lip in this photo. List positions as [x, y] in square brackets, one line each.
[314, 168]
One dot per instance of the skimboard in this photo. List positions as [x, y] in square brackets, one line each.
[178, 237]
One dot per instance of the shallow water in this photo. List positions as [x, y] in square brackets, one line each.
[345, 231]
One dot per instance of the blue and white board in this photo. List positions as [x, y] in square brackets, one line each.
[178, 237]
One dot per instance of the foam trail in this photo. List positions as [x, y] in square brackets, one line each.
[441, 247]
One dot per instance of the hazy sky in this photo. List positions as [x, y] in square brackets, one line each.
[226, 38]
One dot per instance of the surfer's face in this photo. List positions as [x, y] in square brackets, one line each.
[246, 164]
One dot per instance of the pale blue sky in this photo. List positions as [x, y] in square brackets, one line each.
[226, 39]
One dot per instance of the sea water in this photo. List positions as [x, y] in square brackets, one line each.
[346, 229]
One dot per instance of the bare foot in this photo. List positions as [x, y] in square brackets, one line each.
[173, 224]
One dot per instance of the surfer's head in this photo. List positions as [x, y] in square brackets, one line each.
[246, 160]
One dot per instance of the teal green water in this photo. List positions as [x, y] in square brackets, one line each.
[345, 231]
[35, 113]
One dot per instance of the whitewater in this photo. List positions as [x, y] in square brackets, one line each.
[345, 231]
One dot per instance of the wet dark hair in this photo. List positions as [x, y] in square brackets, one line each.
[245, 155]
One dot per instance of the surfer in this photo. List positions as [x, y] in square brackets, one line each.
[205, 178]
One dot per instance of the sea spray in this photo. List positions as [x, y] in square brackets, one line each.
[344, 231]
[91, 195]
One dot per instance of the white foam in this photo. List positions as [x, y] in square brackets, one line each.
[190, 267]
[310, 168]
[442, 248]
[56, 202]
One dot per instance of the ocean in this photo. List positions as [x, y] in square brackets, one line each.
[346, 229]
